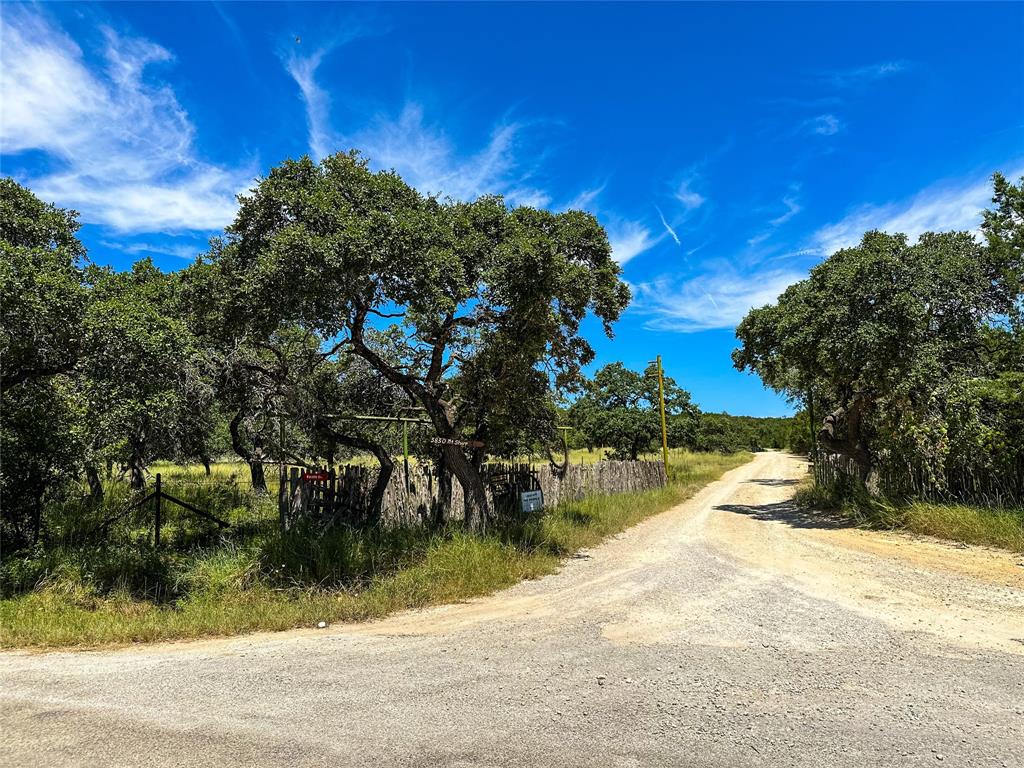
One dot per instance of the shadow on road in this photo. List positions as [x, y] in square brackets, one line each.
[772, 482]
[789, 513]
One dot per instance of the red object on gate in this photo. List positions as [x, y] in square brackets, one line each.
[315, 477]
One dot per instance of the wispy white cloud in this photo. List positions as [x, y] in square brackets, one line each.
[123, 145]
[668, 227]
[585, 199]
[710, 301]
[792, 206]
[689, 198]
[178, 250]
[939, 208]
[317, 100]
[689, 201]
[422, 152]
[824, 125]
[629, 239]
[848, 78]
[507, 162]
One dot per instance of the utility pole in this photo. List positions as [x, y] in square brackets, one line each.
[664, 428]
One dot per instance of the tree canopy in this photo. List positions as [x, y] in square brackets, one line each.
[485, 300]
[620, 410]
[42, 293]
[881, 335]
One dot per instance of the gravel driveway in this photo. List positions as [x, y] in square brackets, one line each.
[732, 630]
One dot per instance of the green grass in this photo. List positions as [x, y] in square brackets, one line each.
[238, 472]
[987, 526]
[105, 593]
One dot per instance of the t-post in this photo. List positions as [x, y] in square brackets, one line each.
[565, 441]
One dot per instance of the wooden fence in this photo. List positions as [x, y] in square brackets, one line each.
[343, 495]
[967, 485]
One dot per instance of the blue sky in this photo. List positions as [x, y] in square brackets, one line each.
[726, 148]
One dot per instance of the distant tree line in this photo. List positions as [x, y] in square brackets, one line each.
[619, 410]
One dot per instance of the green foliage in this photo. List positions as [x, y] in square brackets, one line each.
[141, 390]
[42, 302]
[621, 410]
[902, 347]
[40, 447]
[257, 579]
[481, 303]
[726, 433]
[42, 295]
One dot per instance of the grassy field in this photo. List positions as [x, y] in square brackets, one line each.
[121, 591]
[988, 526]
[239, 471]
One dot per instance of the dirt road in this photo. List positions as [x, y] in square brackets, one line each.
[733, 630]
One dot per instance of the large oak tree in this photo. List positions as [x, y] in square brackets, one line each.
[476, 289]
[881, 332]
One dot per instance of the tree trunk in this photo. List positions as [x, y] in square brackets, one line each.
[137, 467]
[259, 476]
[853, 446]
[375, 503]
[477, 507]
[443, 506]
[206, 464]
[254, 458]
[95, 484]
[440, 411]
[558, 468]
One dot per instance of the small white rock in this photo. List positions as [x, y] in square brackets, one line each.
[321, 625]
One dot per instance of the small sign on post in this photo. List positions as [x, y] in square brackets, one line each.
[531, 501]
[315, 477]
[457, 441]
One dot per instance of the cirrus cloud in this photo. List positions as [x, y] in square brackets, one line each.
[714, 300]
[941, 207]
[122, 145]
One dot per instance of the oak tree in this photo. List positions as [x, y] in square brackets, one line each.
[474, 288]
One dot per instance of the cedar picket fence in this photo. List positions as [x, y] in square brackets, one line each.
[957, 485]
[415, 499]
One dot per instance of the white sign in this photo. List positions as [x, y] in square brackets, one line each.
[531, 501]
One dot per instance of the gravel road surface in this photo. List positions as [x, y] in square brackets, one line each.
[733, 630]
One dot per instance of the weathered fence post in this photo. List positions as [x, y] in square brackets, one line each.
[282, 497]
[156, 513]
